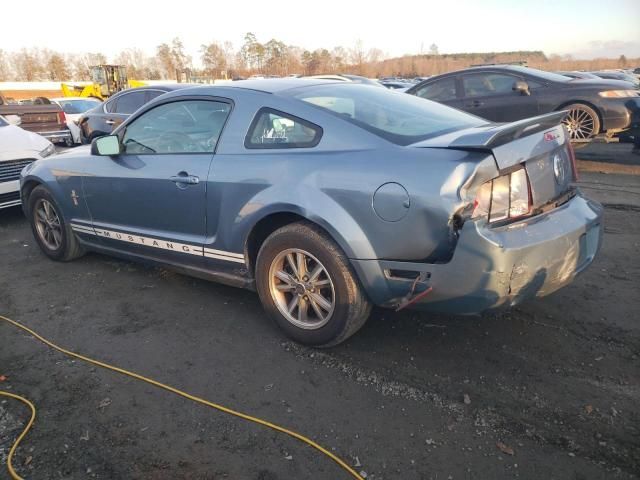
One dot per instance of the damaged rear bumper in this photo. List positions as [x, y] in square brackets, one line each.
[496, 267]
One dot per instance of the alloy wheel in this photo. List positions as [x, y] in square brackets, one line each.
[47, 224]
[302, 289]
[580, 123]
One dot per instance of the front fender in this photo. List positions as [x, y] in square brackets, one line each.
[64, 184]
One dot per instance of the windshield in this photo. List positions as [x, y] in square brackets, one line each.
[397, 117]
[77, 106]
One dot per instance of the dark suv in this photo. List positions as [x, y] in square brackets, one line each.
[104, 118]
[502, 93]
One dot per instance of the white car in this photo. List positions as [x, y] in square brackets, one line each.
[18, 148]
[73, 107]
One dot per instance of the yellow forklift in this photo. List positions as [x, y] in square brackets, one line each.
[106, 80]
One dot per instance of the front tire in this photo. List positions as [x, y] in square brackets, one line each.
[307, 286]
[53, 234]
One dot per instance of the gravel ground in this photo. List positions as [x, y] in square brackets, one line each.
[548, 390]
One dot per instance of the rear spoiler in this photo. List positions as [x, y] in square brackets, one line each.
[499, 135]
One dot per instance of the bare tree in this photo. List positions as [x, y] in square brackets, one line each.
[181, 59]
[358, 56]
[27, 65]
[166, 61]
[213, 58]
[138, 64]
[622, 61]
[5, 71]
[433, 49]
[340, 57]
[275, 57]
[229, 57]
[56, 67]
[81, 64]
[252, 53]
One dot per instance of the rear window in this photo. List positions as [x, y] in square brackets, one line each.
[397, 117]
[130, 102]
[77, 106]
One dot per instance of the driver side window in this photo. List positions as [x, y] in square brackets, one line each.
[187, 126]
[488, 84]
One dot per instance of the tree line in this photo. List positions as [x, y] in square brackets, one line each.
[274, 57]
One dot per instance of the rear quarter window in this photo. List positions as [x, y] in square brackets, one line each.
[274, 129]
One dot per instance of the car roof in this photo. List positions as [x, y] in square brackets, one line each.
[168, 87]
[61, 99]
[274, 85]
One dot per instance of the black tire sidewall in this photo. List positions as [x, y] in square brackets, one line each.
[336, 268]
[42, 193]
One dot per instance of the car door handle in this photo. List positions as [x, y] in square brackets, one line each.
[475, 103]
[109, 122]
[185, 179]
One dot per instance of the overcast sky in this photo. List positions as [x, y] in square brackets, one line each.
[584, 28]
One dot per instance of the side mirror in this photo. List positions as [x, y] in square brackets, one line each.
[521, 87]
[106, 146]
[13, 120]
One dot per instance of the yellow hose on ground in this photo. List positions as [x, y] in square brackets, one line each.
[155, 383]
[14, 447]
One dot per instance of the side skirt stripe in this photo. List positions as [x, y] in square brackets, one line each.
[161, 244]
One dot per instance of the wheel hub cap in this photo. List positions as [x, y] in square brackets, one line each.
[302, 289]
[580, 123]
[47, 223]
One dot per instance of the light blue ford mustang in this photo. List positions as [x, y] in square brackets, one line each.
[326, 198]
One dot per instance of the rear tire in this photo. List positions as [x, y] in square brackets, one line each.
[53, 234]
[326, 308]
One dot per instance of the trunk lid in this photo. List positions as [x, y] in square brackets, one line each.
[37, 118]
[540, 144]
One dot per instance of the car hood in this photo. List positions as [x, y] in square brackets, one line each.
[80, 151]
[18, 143]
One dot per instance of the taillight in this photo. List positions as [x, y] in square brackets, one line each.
[574, 165]
[62, 118]
[503, 198]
